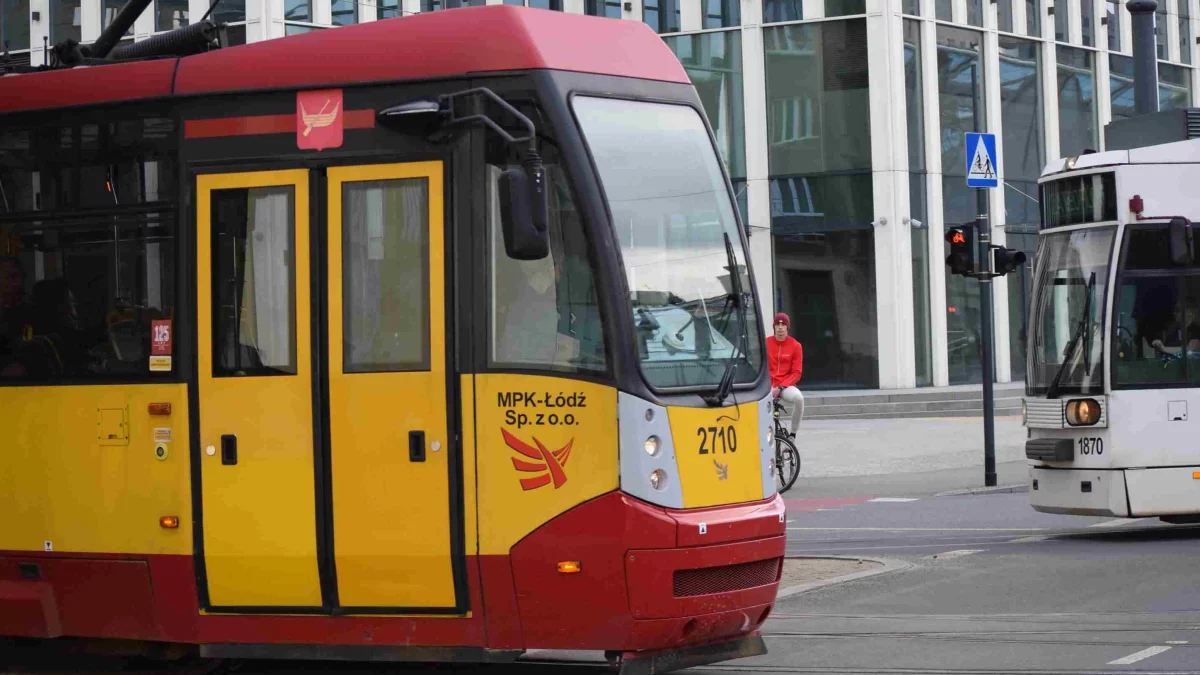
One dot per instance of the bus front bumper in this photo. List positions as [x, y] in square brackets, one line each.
[1081, 492]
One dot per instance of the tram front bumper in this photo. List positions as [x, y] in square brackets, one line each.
[648, 579]
[1081, 492]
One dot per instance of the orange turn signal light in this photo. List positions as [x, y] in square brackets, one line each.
[569, 567]
[169, 522]
[160, 408]
[1196, 475]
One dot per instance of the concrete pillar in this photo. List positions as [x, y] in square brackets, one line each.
[936, 224]
[758, 190]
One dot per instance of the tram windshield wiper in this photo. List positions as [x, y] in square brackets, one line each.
[721, 393]
[1081, 328]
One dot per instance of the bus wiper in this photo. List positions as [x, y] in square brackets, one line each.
[1069, 352]
[718, 397]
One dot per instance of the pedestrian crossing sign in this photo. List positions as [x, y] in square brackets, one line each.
[982, 168]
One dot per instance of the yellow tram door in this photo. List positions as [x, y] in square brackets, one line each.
[389, 440]
[255, 390]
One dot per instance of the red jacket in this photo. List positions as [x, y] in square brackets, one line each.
[786, 360]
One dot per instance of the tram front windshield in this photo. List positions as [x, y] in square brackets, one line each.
[1067, 350]
[673, 215]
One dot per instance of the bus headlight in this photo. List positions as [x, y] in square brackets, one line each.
[658, 479]
[1083, 412]
[652, 446]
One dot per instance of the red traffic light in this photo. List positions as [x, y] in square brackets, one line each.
[962, 250]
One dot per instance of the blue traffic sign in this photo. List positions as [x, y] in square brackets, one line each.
[982, 168]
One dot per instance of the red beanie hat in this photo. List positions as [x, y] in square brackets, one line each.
[783, 318]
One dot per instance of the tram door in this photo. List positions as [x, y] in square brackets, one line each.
[387, 386]
[387, 461]
[256, 390]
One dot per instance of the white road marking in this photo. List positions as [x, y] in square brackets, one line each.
[948, 555]
[1134, 658]
[1177, 642]
[894, 500]
[1030, 540]
[919, 529]
[1120, 521]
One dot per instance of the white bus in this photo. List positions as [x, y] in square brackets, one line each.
[1112, 401]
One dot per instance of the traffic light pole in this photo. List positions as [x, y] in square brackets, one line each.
[984, 241]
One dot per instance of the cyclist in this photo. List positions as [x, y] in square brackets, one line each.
[785, 357]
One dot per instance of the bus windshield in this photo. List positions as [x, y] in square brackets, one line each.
[1067, 350]
[672, 212]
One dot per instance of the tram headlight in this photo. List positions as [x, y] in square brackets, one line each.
[770, 435]
[658, 479]
[1083, 412]
[652, 446]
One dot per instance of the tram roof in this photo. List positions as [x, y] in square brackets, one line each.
[1179, 152]
[448, 43]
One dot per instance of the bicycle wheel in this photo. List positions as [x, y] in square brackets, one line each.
[787, 464]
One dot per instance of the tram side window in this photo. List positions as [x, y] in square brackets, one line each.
[385, 275]
[254, 281]
[1157, 322]
[544, 313]
[79, 298]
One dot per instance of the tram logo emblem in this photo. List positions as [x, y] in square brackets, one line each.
[319, 119]
[549, 464]
[722, 470]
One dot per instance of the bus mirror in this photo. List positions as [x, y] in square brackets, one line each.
[415, 117]
[1181, 241]
[523, 211]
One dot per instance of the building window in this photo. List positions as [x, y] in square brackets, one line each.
[1021, 120]
[555, 5]
[722, 13]
[1113, 12]
[1076, 101]
[775, 11]
[229, 11]
[1033, 18]
[298, 10]
[975, 13]
[170, 14]
[64, 20]
[1174, 87]
[344, 12]
[1087, 17]
[912, 7]
[1004, 16]
[1185, 32]
[821, 197]
[944, 10]
[389, 9]
[291, 29]
[961, 109]
[1062, 20]
[1120, 86]
[845, 7]
[14, 24]
[914, 105]
[607, 8]
[661, 15]
[713, 61]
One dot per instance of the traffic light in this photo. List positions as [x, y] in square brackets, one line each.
[962, 250]
[1005, 260]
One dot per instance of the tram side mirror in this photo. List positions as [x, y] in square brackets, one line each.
[1181, 241]
[523, 211]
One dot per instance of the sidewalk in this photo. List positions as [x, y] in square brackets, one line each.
[898, 457]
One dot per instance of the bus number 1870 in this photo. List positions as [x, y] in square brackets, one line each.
[1091, 446]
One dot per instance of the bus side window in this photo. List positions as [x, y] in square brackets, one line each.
[544, 313]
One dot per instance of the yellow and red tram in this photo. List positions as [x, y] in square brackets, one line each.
[429, 338]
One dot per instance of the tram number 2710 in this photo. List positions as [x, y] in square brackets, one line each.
[717, 439]
[1091, 446]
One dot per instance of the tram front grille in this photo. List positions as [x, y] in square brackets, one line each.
[726, 578]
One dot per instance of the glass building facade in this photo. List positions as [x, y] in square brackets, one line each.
[846, 151]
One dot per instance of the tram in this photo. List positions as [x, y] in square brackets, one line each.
[1114, 351]
[426, 339]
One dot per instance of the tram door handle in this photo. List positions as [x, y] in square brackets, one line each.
[416, 446]
[228, 449]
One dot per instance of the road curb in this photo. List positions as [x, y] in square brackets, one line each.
[1019, 487]
[886, 565]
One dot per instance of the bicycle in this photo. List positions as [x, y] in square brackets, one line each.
[787, 458]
